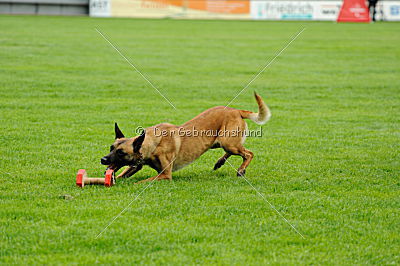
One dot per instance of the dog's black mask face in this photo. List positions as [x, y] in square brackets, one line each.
[124, 151]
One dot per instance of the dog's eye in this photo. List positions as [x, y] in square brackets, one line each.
[111, 148]
[120, 153]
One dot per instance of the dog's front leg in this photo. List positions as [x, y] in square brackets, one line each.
[164, 174]
[131, 170]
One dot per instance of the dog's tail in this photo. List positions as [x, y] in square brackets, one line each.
[263, 115]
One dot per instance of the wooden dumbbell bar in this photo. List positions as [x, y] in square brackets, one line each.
[82, 179]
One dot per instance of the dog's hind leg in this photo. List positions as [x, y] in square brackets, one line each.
[221, 161]
[246, 154]
[233, 144]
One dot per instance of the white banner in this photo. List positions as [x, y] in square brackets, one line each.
[295, 10]
[100, 8]
[388, 10]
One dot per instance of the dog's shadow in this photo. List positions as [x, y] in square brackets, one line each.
[184, 175]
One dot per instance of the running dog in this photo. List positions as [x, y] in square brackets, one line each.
[167, 148]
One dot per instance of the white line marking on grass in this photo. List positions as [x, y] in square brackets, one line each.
[130, 203]
[272, 206]
[132, 65]
[267, 65]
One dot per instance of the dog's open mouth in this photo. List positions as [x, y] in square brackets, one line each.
[113, 167]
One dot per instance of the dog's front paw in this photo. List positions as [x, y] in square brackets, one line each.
[241, 172]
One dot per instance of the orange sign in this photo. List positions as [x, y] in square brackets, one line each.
[214, 6]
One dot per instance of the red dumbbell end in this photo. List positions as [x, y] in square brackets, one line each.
[79, 177]
[109, 178]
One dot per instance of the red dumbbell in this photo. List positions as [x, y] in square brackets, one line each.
[82, 179]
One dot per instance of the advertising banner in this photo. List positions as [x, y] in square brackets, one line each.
[388, 10]
[233, 9]
[211, 9]
[354, 11]
[100, 8]
[295, 10]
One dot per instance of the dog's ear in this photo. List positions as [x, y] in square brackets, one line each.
[137, 144]
[118, 132]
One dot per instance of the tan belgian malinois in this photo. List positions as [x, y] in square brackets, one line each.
[167, 148]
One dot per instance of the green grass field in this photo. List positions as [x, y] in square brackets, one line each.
[328, 159]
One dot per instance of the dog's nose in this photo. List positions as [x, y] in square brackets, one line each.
[104, 161]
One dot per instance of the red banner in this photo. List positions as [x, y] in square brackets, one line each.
[354, 11]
